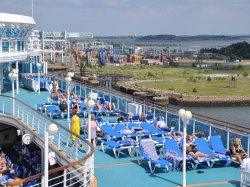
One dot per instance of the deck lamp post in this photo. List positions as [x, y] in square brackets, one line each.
[185, 116]
[38, 65]
[52, 130]
[90, 104]
[68, 79]
[13, 75]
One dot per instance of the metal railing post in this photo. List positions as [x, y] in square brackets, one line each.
[179, 127]
[32, 122]
[227, 138]
[3, 105]
[248, 145]
[193, 126]
[210, 130]
[22, 114]
[64, 178]
[59, 139]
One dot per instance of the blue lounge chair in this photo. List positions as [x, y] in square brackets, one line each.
[151, 129]
[119, 146]
[121, 128]
[148, 153]
[135, 118]
[175, 156]
[149, 118]
[203, 147]
[108, 130]
[217, 144]
[137, 128]
[54, 111]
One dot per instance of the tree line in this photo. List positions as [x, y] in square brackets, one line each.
[235, 51]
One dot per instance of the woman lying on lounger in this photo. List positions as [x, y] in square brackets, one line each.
[192, 150]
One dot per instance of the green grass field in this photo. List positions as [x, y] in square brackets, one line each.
[187, 80]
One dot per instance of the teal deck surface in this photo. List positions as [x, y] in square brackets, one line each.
[125, 171]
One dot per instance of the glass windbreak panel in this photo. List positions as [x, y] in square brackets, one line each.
[5, 47]
[88, 90]
[106, 97]
[243, 138]
[190, 127]
[83, 92]
[122, 105]
[64, 85]
[220, 132]
[100, 94]
[59, 84]
[173, 120]
[202, 127]
[77, 91]
[113, 99]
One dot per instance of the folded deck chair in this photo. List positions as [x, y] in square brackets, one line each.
[148, 153]
[108, 130]
[202, 146]
[151, 129]
[175, 156]
[119, 146]
[121, 128]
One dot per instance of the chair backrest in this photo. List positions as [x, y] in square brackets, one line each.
[83, 106]
[148, 150]
[150, 128]
[102, 101]
[50, 108]
[216, 144]
[202, 146]
[133, 125]
[107, 129]
[120, 127]
[149, 117]
[171, 145]
[135, 118]
[98, 119]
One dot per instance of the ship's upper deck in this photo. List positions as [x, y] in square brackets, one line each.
[125, 170]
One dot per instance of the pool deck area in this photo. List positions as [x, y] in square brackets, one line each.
[126, 172]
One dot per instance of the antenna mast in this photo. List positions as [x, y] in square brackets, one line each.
[32, 6]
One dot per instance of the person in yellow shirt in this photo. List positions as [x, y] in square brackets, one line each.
[75, 126]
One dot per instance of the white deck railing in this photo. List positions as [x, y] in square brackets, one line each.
[79, 170]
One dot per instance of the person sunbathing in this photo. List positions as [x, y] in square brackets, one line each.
[192, 150]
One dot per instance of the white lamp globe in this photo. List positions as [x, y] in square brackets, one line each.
[188, 115]
[91, 103]
[68, 79]
[10, 75]
[52, 129]
[38, 65]
[181, 113]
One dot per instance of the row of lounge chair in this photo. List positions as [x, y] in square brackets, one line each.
[145, 149]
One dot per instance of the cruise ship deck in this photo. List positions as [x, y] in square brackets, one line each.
[125, 170]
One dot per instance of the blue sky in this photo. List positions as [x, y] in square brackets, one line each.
[141, 17]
